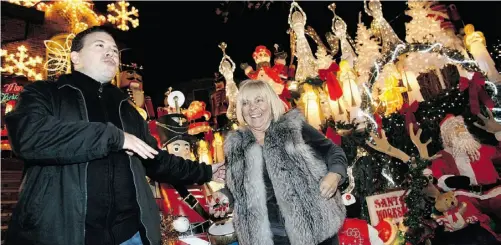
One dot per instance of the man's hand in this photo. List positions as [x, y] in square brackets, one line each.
[218, 172]
[218, 205]
[328, 185]
[135, 145]
[490, 125]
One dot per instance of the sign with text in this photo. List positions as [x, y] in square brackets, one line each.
[11, 91]
[386, 205]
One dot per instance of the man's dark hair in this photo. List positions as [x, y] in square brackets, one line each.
[78, 42]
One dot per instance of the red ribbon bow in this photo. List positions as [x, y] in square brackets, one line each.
[476, 92]
[408, 112]
[334, 136]
[328, 75]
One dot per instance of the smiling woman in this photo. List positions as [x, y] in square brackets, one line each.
[257, 106]
[278, 165]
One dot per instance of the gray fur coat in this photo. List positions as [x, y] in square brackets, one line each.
[295, 174]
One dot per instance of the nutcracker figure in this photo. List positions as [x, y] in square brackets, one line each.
[130, 80]
[219, 102]
[175, 198]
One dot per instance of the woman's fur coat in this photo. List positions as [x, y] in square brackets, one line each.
[295, 174]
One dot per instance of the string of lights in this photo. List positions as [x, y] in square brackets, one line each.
[496, 53]
[453, 56]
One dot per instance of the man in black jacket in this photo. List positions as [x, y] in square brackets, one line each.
[87, 152]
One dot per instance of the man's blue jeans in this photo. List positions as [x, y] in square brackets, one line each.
[135, 240]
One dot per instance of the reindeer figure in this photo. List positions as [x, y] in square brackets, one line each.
[456, 214]
[382, 145]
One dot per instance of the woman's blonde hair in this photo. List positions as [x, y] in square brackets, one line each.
[250, 89]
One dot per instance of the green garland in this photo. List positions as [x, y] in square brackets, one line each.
[418, 206]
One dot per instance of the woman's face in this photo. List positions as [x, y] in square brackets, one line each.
[257, 113]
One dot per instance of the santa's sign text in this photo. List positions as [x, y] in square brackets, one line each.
[386, 205]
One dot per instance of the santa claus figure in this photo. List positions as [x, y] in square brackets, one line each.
[356, 231]
[265, 72]
[466, 166]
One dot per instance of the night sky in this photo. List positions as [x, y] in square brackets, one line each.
[178, 41]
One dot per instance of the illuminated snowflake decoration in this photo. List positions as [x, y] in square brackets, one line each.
[25, 3]
[21, 63]
[123, 15]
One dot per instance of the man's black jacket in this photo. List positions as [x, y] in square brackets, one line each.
[50, 131]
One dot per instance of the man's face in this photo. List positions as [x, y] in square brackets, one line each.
[180, 148]
[98, 58]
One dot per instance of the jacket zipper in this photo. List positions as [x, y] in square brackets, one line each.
[111, 174]
[87, 163]
[133, 176]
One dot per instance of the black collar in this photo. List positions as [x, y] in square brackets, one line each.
[87, 84]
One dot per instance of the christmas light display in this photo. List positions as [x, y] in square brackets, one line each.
[475, 42]
[314, 35]
[380, 27]
[306, 66]
[227, 69]
[58, 55]
[368, 51]
[496, 52]
[339, 28]
[422, 28]
[79, 13]
[21, 63]
[25, 3]
[443, 53]
[121, 15]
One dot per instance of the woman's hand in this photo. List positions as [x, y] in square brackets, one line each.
[328, 185]
[219, 205]
[218, 172]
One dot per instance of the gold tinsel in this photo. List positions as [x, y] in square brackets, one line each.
[169, 235]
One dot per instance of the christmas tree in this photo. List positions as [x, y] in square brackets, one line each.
[368, 51]
[423, 28]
